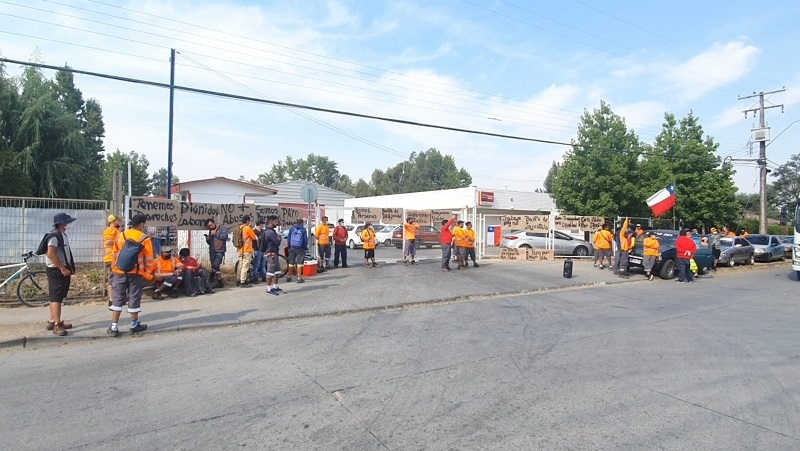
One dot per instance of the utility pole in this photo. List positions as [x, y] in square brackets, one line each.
[171, 120]
[761, 135]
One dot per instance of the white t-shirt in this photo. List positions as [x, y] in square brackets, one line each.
[62, 256]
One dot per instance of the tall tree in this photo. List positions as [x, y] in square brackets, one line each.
[158, 182]
[787, 183]
[140, 179]
[598, 175]
[314, 168]
[552, 174]
[704, 187]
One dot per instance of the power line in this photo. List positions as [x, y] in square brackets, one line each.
[570, 117]
[81, 45]
[338, 112]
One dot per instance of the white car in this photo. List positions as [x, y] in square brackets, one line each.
[384, 235]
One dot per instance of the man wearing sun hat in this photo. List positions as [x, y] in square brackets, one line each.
[60, 267]
[109, 236]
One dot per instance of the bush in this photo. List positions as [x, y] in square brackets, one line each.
[95, 276]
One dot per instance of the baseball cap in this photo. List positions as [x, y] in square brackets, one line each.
[137, 220]
[111, 218]
[713, 229]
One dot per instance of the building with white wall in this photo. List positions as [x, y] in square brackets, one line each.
[222, 190]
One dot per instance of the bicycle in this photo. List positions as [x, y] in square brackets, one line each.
[32, 289]
[283, 264]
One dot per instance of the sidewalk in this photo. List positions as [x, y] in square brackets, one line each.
[335, 292]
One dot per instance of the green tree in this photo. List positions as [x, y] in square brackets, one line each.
[787, 183]
[599, 174]
[158, 182]
[704, 187]
[140, 179]
[362, 189]
[552, 175]
[50, 144]
[314, 168]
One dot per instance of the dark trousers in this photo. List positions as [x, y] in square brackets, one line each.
[447, 252]
[684, 270]
[216, 264]
[621, 262]
[340, 250]
[471, 254]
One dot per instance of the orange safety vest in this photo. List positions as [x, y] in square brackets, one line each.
[368, 238]
[166, 267]
[459, 237]
[470, 238]
[651, 246]
[411, 230]
[603, 240]
[146, 264]
[109, 236]
[322, 235]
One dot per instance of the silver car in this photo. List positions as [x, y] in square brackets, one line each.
[788, 244]
[564, 244]
[767, 247]
[735, 249]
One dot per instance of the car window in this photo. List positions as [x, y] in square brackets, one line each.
[726, 242]
[349, 228]
[774, 241]
[563, 236]
[758, 239]
[359, 229]
[787, 239]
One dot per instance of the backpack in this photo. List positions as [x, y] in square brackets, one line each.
[128, 257]
[42, 249]
[238, 242]
[296, 238]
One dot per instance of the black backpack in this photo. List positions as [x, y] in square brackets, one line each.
[42, 249]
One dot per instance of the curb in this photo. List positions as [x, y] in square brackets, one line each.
[40, 341]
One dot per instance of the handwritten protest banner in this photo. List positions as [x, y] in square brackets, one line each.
[193, 215]
[533, 223]
[392, 215]
[568, 222]
[437, 216]
[525, 254]
[365, 214]
[592, 223]
[422, 217]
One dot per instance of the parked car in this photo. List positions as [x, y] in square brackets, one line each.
[788, 243]
[767, 247]
[384, 235]
[427, 236]
[563, 244]
[665, 262]
[736, 249]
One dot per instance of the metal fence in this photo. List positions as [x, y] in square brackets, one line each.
[24, 221]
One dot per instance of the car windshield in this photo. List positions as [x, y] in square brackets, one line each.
[758, 239]
[726, 242]
[666, 238]
[787, 239]
[377, 227]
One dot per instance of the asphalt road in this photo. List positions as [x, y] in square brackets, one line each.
[709, 365]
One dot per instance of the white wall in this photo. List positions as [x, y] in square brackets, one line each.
[220, 192]
[427, 200]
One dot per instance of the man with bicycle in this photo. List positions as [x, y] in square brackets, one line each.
[270, 244]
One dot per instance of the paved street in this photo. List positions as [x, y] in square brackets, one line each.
[634, 365]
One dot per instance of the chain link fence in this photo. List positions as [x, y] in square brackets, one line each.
[23, 223]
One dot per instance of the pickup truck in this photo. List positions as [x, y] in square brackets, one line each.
[665, 262]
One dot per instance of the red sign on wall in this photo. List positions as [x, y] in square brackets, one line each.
[485, 198]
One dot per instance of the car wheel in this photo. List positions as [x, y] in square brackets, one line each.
[351, 244]
[769, 258]
[731, 262]
[524, 246]
[580, 251]
[667, 270]
[751, 260]
[783, 257]
[387, 243]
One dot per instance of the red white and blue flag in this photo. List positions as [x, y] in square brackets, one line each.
[662, 201]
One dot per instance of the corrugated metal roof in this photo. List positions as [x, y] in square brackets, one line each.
[289, 192]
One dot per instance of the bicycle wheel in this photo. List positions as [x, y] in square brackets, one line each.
[32, 289]
[283, 263]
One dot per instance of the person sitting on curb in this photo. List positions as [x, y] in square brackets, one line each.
[193, 272]
[168, 274]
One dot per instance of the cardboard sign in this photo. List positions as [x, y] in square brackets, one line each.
[422, 217]
[392, 216]
[592, 223]
[193, 215]
[533, 223]
[437, 216]
[365, 214]
[530, 255]
[568, 222]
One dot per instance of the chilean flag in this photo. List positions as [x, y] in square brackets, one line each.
[662, 201]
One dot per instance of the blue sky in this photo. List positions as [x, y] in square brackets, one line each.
[531, 66]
